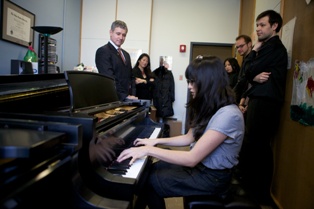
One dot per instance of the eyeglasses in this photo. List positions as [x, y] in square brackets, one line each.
[240, 46]
[199, 57]
[190, 81]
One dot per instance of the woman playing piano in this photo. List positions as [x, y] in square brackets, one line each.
[215, 139]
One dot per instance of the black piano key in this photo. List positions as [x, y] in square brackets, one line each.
[147, 132]
[124, 164]
[138, 132]
[118, 150]
[121, 166]
[117, 171]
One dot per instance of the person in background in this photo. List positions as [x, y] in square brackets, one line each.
[232, 67]
[144, 79]
[109, 62]
[215, 138]
[164, 90]
[244, 47]
[266, 71]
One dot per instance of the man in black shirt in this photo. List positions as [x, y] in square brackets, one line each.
[244, 48]
[266, 72]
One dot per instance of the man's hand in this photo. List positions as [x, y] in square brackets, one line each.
[243, 108]
[257, 46]
[131, 97]
[262, 77]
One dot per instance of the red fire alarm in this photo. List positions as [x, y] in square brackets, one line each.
[182, 48]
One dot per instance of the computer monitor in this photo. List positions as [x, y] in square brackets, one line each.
[21, 67]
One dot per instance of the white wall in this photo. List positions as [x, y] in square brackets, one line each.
[97, 16]
[262, 5]
[159, 27]
[178, 22]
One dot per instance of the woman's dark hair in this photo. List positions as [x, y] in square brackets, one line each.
[211, 81]
[147, 69]
[234, 64]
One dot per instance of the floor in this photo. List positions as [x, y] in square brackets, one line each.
[177, 203]
[174, 203]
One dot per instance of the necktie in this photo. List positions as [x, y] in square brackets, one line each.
[121, 55]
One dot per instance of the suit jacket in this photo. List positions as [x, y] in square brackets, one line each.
[109, 63]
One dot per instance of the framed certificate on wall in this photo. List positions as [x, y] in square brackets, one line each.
[16, 24]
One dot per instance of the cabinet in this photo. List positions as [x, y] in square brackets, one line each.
[47, 55]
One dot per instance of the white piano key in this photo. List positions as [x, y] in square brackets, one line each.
[137, 167]
[155, 133]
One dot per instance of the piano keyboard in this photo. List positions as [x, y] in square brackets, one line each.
[133, 171]
[137, 166]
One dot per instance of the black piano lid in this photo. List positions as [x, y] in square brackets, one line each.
[11, 84]
[23, 143]
[26, 78]
[31, 86]
[88, 89]
[91, 93]
[33, 93]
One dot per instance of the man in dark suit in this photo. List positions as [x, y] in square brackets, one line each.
[112, 63]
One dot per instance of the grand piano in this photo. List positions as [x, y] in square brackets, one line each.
[72, 122]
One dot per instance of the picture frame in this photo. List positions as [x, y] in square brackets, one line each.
[17, 24]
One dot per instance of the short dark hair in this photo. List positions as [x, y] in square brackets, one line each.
[273, 16]
[119, 24]
[246, 38]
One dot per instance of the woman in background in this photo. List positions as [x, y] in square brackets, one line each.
[144, 79]
[232, 67]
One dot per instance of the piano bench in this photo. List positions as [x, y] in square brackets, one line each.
[213, 202]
